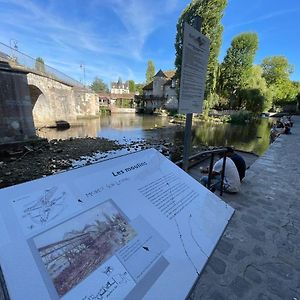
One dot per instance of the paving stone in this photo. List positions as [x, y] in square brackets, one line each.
[240, 286]
[249, 219]
[264, 297]
[253, 274]
[256, 233]
[225, 247]
[261, 244]
[241, 254]
[291, 229]
[278, 288]
[272, 227]
[217, 265]
[216, 295]
[258, 251]
[282, 270]
[269, 208]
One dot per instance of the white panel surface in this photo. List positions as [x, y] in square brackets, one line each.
[132, 227]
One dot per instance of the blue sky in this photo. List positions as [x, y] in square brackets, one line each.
[115, 38]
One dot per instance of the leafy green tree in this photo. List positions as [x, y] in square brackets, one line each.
[131, 86]
[255, 80]
[252, 99]
[99, 86]
[237, 64]
[139, 88]
[277, 71]
[150, 71]
[40, 65]
[211, 13]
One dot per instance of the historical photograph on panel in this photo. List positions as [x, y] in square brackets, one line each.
[74, 249]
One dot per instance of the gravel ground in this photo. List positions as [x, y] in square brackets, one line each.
[37, 159]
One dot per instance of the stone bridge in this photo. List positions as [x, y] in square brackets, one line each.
[31, 99]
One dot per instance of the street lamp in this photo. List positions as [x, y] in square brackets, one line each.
[14, 46]
[82, 67]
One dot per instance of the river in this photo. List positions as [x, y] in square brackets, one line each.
[130, 127]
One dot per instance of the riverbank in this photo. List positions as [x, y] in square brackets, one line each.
[40, 159]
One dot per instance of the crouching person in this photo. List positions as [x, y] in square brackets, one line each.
[231, 182]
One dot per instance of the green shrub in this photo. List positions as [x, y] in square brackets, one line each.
[240, 117]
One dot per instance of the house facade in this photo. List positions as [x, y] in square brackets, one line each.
[119, 87]
[159, 93]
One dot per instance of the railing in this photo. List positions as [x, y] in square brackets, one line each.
[199, 157]
[24, 62]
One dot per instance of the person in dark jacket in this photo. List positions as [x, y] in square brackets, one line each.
[238, 161]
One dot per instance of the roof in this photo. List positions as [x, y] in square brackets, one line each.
[148, 87]
[169, 73]
[160, 73]
[120, 85]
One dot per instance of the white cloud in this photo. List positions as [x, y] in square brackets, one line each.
[263, 18]
[42, 30]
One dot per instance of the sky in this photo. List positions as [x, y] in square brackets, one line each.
[116, 38]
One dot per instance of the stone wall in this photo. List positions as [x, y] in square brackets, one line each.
[32, 100]
[54, 102]
[172, 100]
[16, 122]
[58, 101]
[86, 103]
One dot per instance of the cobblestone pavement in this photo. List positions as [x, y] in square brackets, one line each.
[258, 256]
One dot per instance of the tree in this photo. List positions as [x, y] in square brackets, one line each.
[237, 64]
[255, 80]
[150, 71]
[139, 88]
[131, 86]
[277, 71]
[40, 65]
[99, 86]
[211, 13]
[252, 99]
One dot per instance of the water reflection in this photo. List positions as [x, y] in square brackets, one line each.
[250, 137]
[130, 127]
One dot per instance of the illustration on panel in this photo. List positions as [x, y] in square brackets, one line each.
[74, 249]
[46, 208]
[37, 210]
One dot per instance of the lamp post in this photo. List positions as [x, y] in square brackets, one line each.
[14, 46]
[82, 67]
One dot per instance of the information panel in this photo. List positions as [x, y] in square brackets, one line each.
[133, 227]
[195, 55]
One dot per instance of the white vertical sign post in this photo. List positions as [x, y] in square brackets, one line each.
[195, 55]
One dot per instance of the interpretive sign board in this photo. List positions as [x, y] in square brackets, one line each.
[195, 55]
[132, 227]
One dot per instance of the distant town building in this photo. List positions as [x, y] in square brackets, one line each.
[159, 93]
[119, 87]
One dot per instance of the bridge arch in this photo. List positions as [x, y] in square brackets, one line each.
[40, 104]
[35, 93]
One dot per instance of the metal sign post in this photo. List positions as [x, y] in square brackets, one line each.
[195, 54]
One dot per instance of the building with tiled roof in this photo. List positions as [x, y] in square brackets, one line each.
[160, 93]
